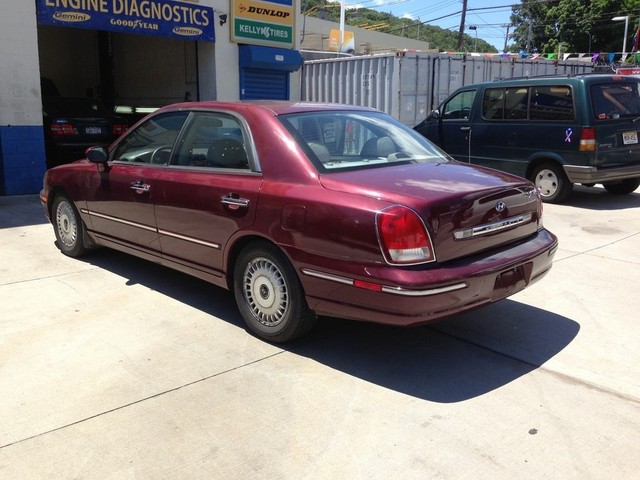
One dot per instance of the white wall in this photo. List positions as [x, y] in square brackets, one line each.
[19, 73]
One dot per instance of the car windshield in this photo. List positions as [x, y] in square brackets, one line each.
[615, 100]
[339, 140]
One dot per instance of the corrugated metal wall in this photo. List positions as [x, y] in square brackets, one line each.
[409, 86]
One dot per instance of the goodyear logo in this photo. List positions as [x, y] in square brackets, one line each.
[71, 17]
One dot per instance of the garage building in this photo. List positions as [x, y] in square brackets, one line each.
[134, 55]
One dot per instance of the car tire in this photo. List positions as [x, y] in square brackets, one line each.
[623, 187]
[68, 227]
[269, 294]
[553, 184]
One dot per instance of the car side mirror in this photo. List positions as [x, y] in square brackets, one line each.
[97, 155]
[435, 114]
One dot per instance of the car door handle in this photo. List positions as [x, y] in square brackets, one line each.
[234, 201]
[140, 187]
[465, 129]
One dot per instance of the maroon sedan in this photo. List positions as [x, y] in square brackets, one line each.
[305, 210]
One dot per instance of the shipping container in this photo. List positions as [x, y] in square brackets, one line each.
[409, 85]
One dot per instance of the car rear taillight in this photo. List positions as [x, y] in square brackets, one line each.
[119, 128]
[61, 129]
[588, 139]
[403, 237]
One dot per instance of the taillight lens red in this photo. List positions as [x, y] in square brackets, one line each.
[119, 128]
[588, 139]
[403, 237]
[62, 129]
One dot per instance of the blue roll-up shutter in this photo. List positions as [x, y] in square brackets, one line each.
[257, 84]
[264, 72]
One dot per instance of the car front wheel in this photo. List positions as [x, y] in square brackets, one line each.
[552, 182]
[269, 295]
[622, 187]
[68, 227]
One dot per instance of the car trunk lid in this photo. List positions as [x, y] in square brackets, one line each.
[466, 209]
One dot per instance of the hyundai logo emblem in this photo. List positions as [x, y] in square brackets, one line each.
[501, 206]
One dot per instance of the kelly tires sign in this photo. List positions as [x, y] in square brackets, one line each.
[268, 23]
[163, 18]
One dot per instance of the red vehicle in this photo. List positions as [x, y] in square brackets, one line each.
[305, 210]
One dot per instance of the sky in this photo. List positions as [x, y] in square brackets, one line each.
[489, 16]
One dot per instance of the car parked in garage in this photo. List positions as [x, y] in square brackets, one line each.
[305, 210]
[73, 124]
[555, 131]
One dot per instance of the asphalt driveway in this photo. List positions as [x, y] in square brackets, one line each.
[115, 368]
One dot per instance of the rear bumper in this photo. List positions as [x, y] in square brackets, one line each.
[431, 294]
[580, 174]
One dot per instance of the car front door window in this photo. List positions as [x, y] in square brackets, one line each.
[152, 142]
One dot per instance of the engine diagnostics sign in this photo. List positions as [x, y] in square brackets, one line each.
[145, 17]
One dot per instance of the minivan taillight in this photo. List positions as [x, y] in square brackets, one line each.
[588, 139]
[403, 236]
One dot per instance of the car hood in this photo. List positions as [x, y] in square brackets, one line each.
[467, 209]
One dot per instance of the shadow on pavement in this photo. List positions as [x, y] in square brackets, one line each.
[597, 198]
[457, 359]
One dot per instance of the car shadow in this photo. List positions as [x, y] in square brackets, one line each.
[597, 198]
[454, 360]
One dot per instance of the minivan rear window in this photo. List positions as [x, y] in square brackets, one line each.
[551, 103]
[614, 100]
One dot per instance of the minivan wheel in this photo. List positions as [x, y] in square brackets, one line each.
[622, 187]
[269, 294]
[552, 182]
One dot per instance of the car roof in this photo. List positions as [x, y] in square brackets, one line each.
[588, 78]
[276, 107]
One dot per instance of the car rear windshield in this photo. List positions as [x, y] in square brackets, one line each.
[615, 100]
[339, 140]
[73, 106]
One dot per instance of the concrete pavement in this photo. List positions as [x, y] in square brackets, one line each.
[114, 368]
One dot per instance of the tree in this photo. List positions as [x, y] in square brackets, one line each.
[550, 26]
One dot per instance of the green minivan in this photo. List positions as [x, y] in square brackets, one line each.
[553, 130]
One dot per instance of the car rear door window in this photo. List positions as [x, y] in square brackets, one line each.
[213, 140]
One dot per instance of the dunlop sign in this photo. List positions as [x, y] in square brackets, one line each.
[270, 23]
[162, 18]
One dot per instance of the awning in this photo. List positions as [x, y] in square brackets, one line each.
[269, 58]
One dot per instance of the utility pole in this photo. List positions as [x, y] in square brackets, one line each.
[506, 38]
[462, 20]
